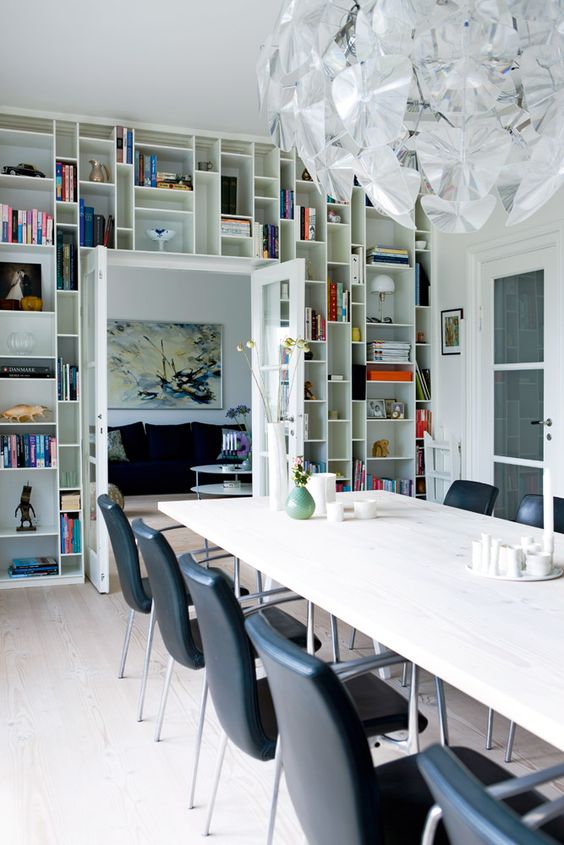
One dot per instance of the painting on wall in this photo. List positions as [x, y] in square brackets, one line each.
[450, 331]
[164, 366]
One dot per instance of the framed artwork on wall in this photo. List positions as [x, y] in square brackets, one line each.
[450, 331]
[164, 366]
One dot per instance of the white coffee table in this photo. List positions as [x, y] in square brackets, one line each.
[218, 489]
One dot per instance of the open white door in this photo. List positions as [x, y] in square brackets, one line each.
[277, 303]
[95, 413]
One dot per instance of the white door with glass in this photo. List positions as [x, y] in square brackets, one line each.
[518, 422]
[95, 414]
[277, 303]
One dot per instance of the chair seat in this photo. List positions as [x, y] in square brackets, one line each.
[289, 627]
[381, 708]
[401, 785]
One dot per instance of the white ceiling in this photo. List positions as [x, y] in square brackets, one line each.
[174, 62]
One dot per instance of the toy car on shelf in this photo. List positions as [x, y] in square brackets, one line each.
[22, 169]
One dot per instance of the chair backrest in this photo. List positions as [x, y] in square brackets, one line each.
[472, 496]
[170, 595]
[325, 753]
[126, 555]
[530, 512]
[230, 666]
[470, 815]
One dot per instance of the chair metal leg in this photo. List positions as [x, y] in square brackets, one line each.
[258, 584]
[335, 639]
[275, 790]
[237, 576]
[353, 638]
[441, 707]
[510, 740]
[164, 697]
[198, 740]
[310, 632]
[150, 633]
[217, 775]
[413, 712]
[125, 648]
[489, 730]
[404, 675]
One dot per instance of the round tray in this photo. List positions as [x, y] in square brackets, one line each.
[556, 573]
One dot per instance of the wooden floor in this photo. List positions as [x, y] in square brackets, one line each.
[77, 769]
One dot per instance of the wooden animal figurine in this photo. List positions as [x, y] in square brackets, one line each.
[25, 507]
[308, 391]
[17, 413]
[381, 449]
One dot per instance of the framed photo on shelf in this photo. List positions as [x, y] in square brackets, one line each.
[450, 331]
[389, 407]
[376, 409]
[17, 281]
[398, 411]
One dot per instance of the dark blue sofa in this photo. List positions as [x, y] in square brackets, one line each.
[160, 456]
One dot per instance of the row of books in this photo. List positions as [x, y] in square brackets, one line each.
[27, 450]
[287, 205]
[338, 302]
[236, 226]
[421, 285]
[366, 481]
[68, 382]
[315, 327]
[94, 229]
[66, 261]
[145, 170]
[31, 567]
[423, 422]
[229, 195]
[389, 351]
[420, 460]
[306, 220]
[25, 226]
[422, 383]
[124, 145]
[70, 534]
[387, 255]
[315, 466]
[265, 240]
[66, 179]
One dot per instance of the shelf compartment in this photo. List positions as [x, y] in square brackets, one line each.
[206, 200]
[40, 324]
[164, 199]
[182, 223]
[28, 183]
[22, 146]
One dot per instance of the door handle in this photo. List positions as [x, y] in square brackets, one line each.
[547, 422]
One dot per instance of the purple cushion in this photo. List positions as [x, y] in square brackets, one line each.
[134, 440]
[169, 442]
[206, 442]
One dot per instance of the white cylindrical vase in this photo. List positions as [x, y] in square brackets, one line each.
[277, 466]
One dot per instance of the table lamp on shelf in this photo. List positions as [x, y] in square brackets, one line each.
[382, 285]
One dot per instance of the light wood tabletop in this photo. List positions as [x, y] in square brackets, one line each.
[402, 580]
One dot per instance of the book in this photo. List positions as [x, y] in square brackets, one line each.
[119, 144]
[88, 226]
[25, 371]
[98, 226]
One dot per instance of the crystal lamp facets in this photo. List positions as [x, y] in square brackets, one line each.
[461, 101]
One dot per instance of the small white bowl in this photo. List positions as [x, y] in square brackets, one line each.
[420, 244]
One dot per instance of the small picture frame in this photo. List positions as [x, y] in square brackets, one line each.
[450, 331]
[376, 409]
[389, 407]
[398, 411]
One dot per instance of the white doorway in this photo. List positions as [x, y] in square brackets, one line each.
[514, 420]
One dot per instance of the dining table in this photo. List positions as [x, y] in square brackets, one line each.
[404, 578]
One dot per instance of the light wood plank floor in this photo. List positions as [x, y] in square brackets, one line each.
[77, 769]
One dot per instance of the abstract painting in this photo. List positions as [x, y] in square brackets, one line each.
[160, 366]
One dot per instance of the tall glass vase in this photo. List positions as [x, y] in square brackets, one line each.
[277, 466]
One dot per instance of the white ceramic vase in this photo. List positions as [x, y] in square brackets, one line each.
[277, 466]
[322, 486]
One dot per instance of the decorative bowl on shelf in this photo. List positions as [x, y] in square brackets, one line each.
[161, 236]
[20, 343]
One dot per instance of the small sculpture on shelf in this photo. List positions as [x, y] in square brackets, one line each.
[306, 177]
[381, 448]
[99, 172]
[24, 508]
[17, 413]
[308, 391]
[333, 217]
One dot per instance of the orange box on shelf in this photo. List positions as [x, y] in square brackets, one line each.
[389, 375]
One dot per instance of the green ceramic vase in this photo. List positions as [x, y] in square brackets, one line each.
[300, 503]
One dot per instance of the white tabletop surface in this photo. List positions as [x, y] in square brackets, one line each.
[221, 469]
[220, 490]
[401, 579]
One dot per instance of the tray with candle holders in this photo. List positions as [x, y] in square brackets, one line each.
[556, 572]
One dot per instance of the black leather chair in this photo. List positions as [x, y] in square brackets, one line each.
[472, 496]
[136, 590]
[337, 793]
[474, 815]
[243, 703]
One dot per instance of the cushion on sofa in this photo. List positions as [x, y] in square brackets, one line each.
[134, 440]
[169, 442]
[206, 442]
[116, 449]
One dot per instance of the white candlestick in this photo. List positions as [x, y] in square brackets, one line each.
[366, 509]
[486, 551]
[548, 508]
[494, 557]
[335, 511]
[514, 562]
[476, 555]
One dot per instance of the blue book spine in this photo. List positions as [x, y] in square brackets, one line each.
[20, 227]
[153, 171]
[136, 174]
[59, 180]
[81, 219]
[88, 225]
[147, 172]
[130, 146]
[40, 228]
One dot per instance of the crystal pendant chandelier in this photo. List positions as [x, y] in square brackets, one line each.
[461, 101]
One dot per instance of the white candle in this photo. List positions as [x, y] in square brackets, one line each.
[502, 560]
[514, 562]
[476, 555]
[548, 507]
[335, 511]
[366, 509]
[494, 557]
[539, 564]
[486, 551]
[526, 542]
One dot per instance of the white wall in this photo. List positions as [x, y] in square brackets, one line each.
[187, 297]
[451, 290]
